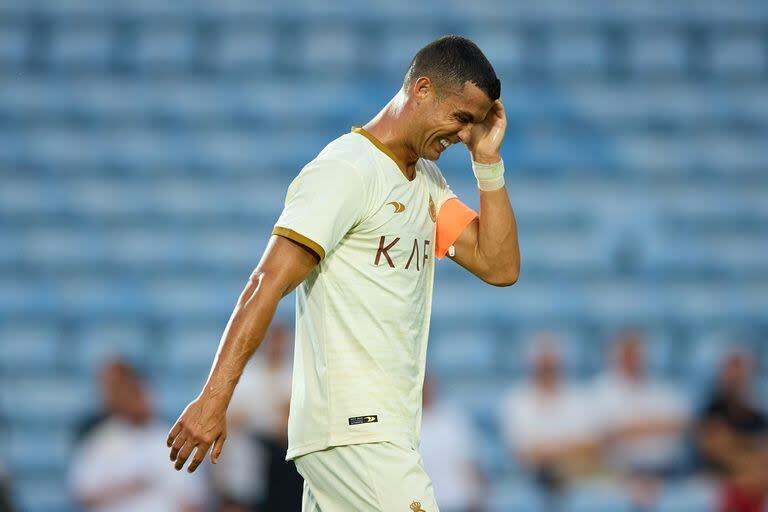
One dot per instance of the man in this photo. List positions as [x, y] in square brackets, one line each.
[128, 433]
[547, 422]
[732, 436]
[643, 421]
[360, 227]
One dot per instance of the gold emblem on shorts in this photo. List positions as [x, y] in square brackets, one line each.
[432, 209]
[416, 505]
[399, 207]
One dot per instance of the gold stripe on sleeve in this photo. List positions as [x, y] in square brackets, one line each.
[301, 239]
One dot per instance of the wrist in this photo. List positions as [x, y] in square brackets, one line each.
[489, 176]
[486, 159]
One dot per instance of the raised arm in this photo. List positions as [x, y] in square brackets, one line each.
[488, 246]
[284, 265]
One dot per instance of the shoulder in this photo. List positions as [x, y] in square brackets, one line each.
[350, 151]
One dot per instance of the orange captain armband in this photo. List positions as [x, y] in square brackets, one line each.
[452, 220]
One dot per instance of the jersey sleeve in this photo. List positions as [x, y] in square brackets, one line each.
[322, 204]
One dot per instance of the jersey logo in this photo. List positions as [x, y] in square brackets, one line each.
[416, 507]
[432, 209]
[357, 420]
[399, 207]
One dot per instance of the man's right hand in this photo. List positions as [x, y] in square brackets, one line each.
[202, 424]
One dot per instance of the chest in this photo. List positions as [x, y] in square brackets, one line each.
[400, 231]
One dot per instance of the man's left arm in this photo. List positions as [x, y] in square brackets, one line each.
[488, 246]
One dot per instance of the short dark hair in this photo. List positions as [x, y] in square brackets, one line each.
[452, 61]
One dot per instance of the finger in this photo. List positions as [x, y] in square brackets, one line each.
[181, 439]
[184, 455]
[175, 431]
[217, 447]
[199, 457]
[498, 106]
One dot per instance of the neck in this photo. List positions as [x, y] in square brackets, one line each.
[389, 127]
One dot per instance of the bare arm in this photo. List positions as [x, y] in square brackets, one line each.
[488, 246]
[282, 268]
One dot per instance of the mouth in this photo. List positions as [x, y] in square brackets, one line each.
[444, 142]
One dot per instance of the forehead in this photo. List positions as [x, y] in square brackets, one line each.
[470, 99]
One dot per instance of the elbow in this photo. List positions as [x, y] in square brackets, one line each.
[504, 277]
[506, 274]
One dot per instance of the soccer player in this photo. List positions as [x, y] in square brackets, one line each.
[362, 225]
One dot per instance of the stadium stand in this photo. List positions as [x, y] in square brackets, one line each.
[145, 149]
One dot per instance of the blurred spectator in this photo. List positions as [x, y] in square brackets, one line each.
[265, 386]
[448, 448]
[546, 423]
[121, 464]
[254, 474]
[643, 420]
[732, 437]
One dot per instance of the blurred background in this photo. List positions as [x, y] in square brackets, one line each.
[145, 150]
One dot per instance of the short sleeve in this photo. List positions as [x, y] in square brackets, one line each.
[322, 204]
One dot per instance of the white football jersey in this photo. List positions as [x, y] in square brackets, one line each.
[362, 314]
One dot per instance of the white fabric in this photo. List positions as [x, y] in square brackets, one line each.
[448, 449]
[623, 402]
[362, 315]
[370, 477]
[531, 418]
[117, 453]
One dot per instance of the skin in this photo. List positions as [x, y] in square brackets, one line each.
[410, 125]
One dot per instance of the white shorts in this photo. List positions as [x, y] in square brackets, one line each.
[376, 477]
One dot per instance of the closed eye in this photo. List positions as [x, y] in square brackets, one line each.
[464, 117]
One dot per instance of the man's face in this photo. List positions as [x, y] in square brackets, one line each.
[446, 118]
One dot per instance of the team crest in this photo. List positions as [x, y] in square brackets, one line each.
[416, 505]
[432, 209]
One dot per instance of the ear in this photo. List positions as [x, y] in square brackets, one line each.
[422, 88]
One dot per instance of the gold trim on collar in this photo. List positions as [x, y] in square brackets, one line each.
[384, 149]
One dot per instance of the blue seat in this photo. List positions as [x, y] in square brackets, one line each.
[245, 49]
[190, 349]
[29, 347]
[33, 447]
[51, 400]
[739, 55]
[328, 49]
[577, 53]
[165, 47]
[463, 350]
[660, 54]
[99, 342]
[13, 46]
[76, 47]
[45, 493]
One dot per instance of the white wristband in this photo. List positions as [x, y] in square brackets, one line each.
[489, 176]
